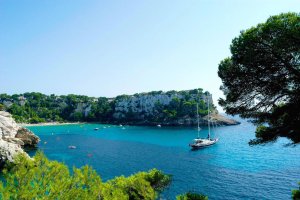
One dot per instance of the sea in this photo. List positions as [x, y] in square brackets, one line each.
[231, 169]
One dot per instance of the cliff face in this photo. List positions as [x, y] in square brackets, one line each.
[148, 104]
[13, 138]
[151, 108]
[167, 108]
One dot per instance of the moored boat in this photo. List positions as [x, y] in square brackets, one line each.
[198, 142]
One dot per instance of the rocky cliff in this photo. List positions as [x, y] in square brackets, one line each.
[150, 108]
[13, 138]
[171, 108]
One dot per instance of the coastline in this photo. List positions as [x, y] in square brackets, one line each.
[218, 119]
[49, 124]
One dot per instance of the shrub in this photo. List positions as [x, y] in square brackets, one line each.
[40, 178]
[191, 196]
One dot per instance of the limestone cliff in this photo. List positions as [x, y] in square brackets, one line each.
[151, 108]
[13, 138]
[167, 108]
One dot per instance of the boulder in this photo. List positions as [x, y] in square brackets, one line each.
[221, 120]
[27, 137]
[13, 138]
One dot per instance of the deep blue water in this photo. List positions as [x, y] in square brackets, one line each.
[231, 169]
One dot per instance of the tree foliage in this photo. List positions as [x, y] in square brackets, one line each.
[1, 107]
[182, 107]
[296, 194]
[35, 107]
[191, 196]
[39, 178]
[261, 79]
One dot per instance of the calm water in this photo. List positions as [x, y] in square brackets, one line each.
[229, 170]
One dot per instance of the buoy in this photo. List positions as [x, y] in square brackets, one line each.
[89, 155]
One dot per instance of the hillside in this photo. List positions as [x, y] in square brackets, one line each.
[158, 107]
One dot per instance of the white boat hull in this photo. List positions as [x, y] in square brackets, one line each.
[202, 143]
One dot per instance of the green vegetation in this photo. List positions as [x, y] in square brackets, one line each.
[192, 196]
[179, 108]
[1, 107]
[36, 107]
[182, 105]
[39, 178]
[261, 79]
[296, 194]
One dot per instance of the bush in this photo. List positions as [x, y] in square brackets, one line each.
[2, 107]
[191, 196]
[39, 178]
[35, 120]
[296, 194]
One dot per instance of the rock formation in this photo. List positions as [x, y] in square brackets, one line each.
[172, 108]
[13, 138]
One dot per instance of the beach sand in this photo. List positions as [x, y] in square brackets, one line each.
[49, 124]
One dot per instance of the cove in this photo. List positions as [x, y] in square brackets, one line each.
[231, 169]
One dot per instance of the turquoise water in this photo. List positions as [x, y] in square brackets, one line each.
[231, 169]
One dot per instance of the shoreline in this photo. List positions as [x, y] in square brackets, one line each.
[218, 119]
[50, 124]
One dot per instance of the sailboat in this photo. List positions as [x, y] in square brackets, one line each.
[203, 142]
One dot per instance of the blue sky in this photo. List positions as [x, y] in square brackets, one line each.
[107, 48]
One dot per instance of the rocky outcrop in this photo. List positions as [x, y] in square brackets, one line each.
[172, 108]
[84, 108]
[147, 108]
[220, 120]
[13, 138]
[27, 137]
[149, 104]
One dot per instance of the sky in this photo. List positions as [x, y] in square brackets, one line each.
[108, 48]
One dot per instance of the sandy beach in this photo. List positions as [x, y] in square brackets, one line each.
[50, 123]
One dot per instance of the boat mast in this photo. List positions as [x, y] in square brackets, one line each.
[208, 117]
[198, 120]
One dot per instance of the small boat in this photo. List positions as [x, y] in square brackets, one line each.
[203, 142]
[72, 147]
[96, 129]
[158, 125]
